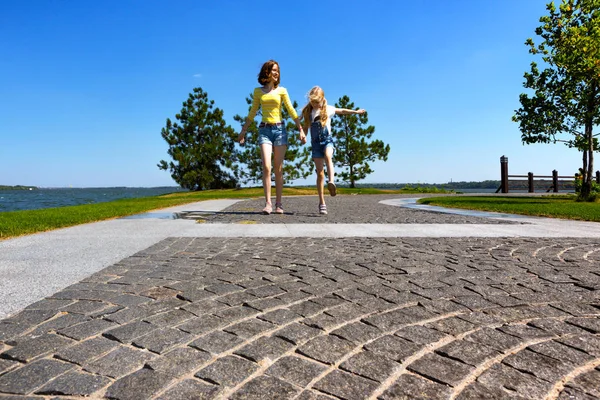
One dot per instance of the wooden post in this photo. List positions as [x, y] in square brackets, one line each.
[598, 177]
[555, 180]
[530, 181]
[504, 174]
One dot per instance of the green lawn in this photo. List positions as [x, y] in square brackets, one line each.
[17, 223]
[556, 206]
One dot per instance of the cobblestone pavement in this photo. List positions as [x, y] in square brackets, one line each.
[341, 210]
[319, 318]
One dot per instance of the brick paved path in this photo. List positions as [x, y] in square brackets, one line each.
[313, 318]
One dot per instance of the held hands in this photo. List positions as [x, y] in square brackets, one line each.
[302, 137]
[242, 137]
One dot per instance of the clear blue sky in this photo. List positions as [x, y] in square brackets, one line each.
[85, 87]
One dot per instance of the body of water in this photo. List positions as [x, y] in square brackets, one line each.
[13, 200]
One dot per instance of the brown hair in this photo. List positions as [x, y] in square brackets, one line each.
[264, 75]
[316, 93]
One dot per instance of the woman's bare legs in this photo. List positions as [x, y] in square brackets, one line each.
[279, 156]
[265, 153]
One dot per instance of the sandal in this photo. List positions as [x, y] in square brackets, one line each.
[268, 209]
[332, 189]
[278, 208]
[323, 209]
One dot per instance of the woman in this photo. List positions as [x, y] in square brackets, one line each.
[272, 136]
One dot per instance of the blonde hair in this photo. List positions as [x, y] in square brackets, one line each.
[318, 95]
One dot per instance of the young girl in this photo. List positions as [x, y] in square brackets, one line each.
[272, 137]
[317, 115]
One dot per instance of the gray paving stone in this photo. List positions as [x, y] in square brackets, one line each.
[501, 376]
[179, 361]
[494, 339]
[525, 331]
[587, 343]
[58, 323]
[539, 365]
[298, 333]
[357, 332]
[452, 326]
[588, 382]
[29, 349]
[393, 347]
[87, 329]
[409, 386]
[49, 304]
[280, 317]
[572, 394]
[477, 391]
[191, 389]
[227, 371]
[561, 352]
[468, 352]
[251, 328]
[217, 342]
[85, 307]
[370, 365]
[326, 349]
[420, 334]
[7, 365]
[119, 362]
[142, 384]
[74, 383]
[589, 324]
[345, 385]
[201, 325]
[201, 308]
[170, 318]
[236, 313]
[264, 388]
[86, 351]
[128, 332]
[162, 340]
[265, 348]
[556, 327]
[26, 379]
[441, 369]
[295, 370]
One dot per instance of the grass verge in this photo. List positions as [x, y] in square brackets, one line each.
[558, 206]
[17, 223]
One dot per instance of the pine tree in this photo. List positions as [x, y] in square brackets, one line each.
[201, 145]
[353, 150]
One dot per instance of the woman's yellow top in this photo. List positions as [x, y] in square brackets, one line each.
[270, 104]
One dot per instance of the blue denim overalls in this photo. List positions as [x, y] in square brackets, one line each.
[320, 138]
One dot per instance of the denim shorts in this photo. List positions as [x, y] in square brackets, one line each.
[320, 139]
[274, 135]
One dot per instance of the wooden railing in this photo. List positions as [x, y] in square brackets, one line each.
[531, 182]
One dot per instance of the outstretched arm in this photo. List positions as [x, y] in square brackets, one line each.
[345, 111]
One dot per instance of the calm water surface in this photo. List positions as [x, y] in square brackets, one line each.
[13, 200]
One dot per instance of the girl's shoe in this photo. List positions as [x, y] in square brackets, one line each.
[268, 209]
[332, 189]
[323, 209]
[278, 208]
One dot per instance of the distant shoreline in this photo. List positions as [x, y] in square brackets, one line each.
[18, 187]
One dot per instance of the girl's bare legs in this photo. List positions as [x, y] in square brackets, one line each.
[320, 179]
[265, 153]
[330, 170]
[278, 161]
[329, 161]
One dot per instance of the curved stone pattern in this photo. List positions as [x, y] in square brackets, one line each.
[454, 318]
[341, 210]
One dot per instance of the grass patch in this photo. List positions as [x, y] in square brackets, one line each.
[17, 223]
[558, 206]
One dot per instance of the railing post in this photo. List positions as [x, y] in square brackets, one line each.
[504, 174]
[598, 177]
[555, 180]
[530, 181]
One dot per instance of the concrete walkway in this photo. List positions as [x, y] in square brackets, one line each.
[373, 300]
